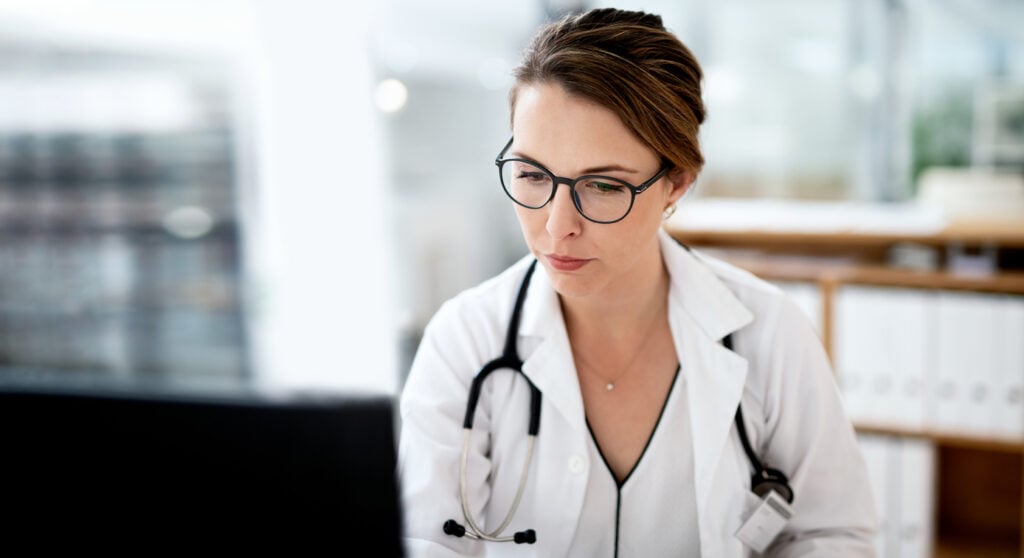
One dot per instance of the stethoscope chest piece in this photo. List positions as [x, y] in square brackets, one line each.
[767, 480]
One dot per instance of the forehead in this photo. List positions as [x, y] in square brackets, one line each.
[567, 132]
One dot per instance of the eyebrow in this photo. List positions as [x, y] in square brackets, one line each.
[591, 170]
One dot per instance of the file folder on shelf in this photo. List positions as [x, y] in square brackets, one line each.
[965, 354]
[1008, 381]
[875, 451]
[881, 354]
[915, 529]
[854, 355]
[902, 472]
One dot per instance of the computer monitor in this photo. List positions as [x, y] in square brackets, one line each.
[118, 468]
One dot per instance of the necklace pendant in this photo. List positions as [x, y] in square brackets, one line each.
[609, 386]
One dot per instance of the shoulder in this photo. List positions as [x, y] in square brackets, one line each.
[781, 340]
[746, 286]
[766, 301]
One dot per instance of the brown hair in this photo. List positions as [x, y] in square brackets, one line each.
[629, 63]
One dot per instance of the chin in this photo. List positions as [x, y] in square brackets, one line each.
[572, 285]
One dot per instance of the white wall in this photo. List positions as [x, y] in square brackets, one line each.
[320, 254]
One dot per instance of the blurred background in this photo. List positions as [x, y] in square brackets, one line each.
[285, 192]
[222, 188]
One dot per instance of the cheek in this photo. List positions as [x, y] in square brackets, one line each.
[530, 221]
[639, 229]
[645, 215]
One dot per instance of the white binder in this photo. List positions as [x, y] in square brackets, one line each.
[882, 353]
[859, 358]
[907, 350]
[1008, 381]
[916, 487]
[876, 454]
[849, 361]
[965, 364]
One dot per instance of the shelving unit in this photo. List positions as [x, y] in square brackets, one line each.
[979, 477]
[121, 227]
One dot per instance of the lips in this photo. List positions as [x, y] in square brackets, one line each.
[566, 263]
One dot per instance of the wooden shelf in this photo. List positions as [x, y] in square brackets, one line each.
[1004, 233]
[780, 268]
[966, 440]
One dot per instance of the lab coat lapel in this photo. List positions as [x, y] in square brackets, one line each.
[546, 353]
[702, 311]
[715, 377]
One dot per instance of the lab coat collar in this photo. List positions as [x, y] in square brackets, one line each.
[702, 311]
[700, 293]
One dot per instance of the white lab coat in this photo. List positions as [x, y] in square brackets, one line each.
[779, 371]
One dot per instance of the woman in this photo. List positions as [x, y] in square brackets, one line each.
[626, 337]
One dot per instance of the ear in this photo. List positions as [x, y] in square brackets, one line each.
[680, 182]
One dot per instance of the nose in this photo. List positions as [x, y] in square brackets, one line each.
[563, 218]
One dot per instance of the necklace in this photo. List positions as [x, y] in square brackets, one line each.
[610, 384]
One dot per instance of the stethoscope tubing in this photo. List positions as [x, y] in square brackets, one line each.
[474, 530]
[510, 360]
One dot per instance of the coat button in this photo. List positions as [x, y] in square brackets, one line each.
[575, 464]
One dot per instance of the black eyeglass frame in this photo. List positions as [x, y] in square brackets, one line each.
[571, 183]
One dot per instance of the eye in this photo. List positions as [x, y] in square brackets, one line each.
[604, 186]
[531, 176]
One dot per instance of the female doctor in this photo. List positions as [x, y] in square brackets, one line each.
[611, 362]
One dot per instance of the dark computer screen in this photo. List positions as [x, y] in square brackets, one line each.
[126, 467]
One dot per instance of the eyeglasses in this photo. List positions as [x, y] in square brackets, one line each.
[601, 199]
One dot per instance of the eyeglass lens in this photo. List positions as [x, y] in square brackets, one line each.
[600, 198]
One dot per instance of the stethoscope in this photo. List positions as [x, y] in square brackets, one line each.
[763, 481]
[509, 359]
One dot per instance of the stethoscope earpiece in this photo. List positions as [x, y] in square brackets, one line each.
[528, 537]
[452, 527]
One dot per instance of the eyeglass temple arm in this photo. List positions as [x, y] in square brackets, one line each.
[497, 160]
